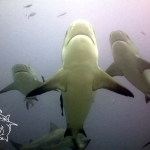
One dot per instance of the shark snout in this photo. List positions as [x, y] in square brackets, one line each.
[79, 27]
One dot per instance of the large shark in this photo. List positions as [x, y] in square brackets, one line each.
[79, 77]
[54, 140]
[25, 80]
[128, 63]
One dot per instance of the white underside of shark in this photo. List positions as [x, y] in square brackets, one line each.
[79, 78]
[25, 80]
[128, 63]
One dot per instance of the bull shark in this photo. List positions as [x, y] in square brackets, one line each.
[79, 78]
[129, 63]
[25, 80]
[54, 140]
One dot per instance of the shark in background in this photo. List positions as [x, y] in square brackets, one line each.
[54, 140]
[25, 80]
[129, 63]
[79, 78]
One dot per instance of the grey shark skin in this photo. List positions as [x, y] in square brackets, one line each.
[79, 77]
[128, 63]
[25, 80]
[54, 140]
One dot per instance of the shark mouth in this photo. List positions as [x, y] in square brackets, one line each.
[80, 34]
[119, 41]
[20, 71]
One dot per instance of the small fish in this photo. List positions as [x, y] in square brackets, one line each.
[32, 14]
[142, 32]
[27, 6]
[61, 14]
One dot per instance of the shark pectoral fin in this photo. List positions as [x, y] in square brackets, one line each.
[53, 127]
[142, 64]
[57, 81]
[8, 88]
[16, 145]
[147, 98]
[103, 80]
[113, 70]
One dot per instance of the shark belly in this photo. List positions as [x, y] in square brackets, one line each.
[78, 99]
[80, 61]
[25, 82]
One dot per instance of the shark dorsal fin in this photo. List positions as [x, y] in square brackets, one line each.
[53, 127]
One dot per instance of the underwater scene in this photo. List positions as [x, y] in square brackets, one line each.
[74, 75]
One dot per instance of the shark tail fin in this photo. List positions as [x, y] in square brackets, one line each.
[16, 145]
[69, 132]
[147, 98]
[77, 138]
[79, 143]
